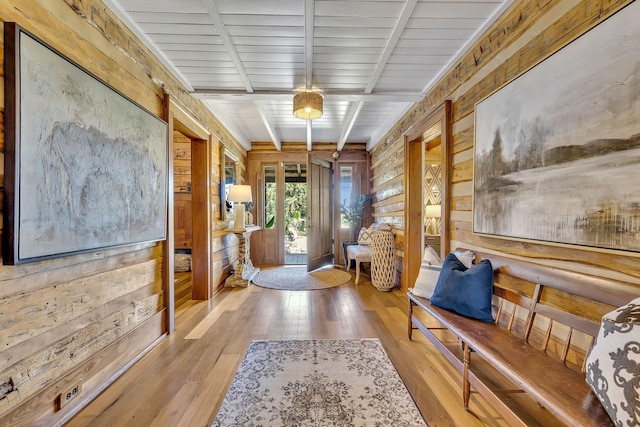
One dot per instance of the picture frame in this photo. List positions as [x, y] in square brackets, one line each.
[557, 150]
[86, 168]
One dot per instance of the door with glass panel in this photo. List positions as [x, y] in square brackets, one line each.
[319, 212]
[271, 218]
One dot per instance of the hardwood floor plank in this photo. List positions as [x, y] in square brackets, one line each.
[183, 381]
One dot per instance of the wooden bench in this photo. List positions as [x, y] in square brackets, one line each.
[528, 344]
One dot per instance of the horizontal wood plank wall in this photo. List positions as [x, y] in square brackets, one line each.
[181, 163]
[87, 317]
[525, 34]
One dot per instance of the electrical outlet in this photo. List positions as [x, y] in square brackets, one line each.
[65, 397]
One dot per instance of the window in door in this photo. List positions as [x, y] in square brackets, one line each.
[346, 193]
[295, 213]
[270, 197]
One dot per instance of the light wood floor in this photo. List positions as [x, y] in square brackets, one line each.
[183, 380]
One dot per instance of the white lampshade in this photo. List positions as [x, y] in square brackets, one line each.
[433, 211]
[240, 193]
[307, 105]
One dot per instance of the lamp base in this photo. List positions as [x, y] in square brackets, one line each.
[238, 216]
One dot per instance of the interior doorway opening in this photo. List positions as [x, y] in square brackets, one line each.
[295, 214]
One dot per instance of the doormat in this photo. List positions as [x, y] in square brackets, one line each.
[297, 278]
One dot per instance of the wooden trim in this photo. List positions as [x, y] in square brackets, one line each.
[201, 288]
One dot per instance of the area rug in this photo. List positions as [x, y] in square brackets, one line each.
[297, 278]
[317, 383]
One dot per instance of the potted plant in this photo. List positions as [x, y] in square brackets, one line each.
[352, 212]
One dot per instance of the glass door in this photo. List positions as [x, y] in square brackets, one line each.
[295, 213]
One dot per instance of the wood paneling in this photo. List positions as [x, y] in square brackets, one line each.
[89, 316]
[182, 220]
[526, 33]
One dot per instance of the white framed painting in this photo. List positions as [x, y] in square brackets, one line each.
[85, 167]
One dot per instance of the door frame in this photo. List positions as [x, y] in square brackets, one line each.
[413, 191]
[178, 119]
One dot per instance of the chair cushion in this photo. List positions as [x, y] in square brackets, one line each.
[466, 291]
[612, 364]
[359, 253]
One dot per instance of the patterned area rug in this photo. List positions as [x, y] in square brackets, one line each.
[317, 383]
[297, 278]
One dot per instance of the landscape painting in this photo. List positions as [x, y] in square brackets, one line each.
[90, 166]
[557, 151]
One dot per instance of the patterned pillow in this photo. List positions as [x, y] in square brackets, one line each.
[365, 237]
[431, 256]
[466, 258]
[612, 363]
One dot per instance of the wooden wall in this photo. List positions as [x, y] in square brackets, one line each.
[85, 318]
[526, 33]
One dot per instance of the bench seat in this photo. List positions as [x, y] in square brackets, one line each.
[543, 378]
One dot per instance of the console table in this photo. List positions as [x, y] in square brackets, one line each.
[245, 271]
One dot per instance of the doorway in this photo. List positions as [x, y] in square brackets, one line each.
[198, 138]
[427, 185]
[295, 214]
[283, 182]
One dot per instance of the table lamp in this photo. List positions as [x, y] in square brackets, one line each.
[432, 213]
[239, 194]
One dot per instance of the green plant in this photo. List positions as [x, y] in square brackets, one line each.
[353, 211]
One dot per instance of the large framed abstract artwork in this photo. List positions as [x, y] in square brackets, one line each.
[85, 167]
[557, 150]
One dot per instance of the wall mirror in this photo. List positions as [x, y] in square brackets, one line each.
[228, 174]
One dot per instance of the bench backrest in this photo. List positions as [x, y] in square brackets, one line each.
[557, 310]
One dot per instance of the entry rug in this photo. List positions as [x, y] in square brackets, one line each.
[317, 383]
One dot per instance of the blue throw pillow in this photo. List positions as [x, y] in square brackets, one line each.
[466, 291]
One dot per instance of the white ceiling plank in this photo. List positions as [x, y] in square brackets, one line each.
[267, 124]
[170, 18]
[309, 15]
[226, 40]
[186, 29]
[455, 10]
[230, 126]
[259, 7]
[263, 31]
[407, 10]
[358, 9]
[349, 42]
[392, 118]
[352, 116]
[124, 17]
[499, 9]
